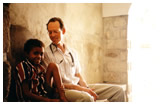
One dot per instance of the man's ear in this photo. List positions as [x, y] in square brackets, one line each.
[63, 31]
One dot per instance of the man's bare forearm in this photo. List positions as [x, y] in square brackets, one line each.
[74, 87]
[81, 82]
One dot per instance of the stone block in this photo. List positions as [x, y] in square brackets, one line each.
[123, 55]
[115, 34]
[123, 34]
[115, 77]
[115, 55]
[117, 66]
[115, 27]
[120, 22]
[116, 44]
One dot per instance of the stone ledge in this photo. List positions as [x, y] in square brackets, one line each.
[123, 86]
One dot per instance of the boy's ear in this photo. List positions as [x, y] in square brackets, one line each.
[25, 54]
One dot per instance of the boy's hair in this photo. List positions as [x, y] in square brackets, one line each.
[56, 19]
[31, 43]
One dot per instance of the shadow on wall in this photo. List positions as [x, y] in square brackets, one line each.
[18, 36]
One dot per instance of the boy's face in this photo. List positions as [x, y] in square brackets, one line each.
[35, 55]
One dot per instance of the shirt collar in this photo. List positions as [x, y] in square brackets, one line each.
[30, 64]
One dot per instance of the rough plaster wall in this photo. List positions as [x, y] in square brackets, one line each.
[83, 30]
[115, 52]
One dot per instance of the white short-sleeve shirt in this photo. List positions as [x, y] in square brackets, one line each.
[67, 62]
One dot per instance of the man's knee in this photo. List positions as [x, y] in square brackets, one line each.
[122, 95]
[119, 95]
[85, 97]
[52, 66]
[78, 96]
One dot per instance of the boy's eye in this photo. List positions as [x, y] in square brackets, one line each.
[36, 53]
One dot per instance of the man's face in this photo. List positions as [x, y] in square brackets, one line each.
[54, 32]
[35, 55]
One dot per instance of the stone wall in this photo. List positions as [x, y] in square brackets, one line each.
[6, 49]
[84, 31]
[115, 49]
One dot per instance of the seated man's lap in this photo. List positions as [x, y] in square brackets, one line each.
[110, 92]
[104, 91]
[78, 96]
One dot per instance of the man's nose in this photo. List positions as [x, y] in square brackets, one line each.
[52, 34]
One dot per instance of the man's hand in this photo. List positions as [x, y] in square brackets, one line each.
[81, 88]
[92, 93]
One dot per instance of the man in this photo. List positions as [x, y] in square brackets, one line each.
[76, 89]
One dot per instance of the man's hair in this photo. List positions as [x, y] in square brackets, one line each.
[54, 19]
[32, 43]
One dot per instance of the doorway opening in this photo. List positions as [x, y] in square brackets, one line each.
[144, 51]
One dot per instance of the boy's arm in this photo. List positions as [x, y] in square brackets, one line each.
[35, 97]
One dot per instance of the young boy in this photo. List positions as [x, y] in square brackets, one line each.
[31, 75]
